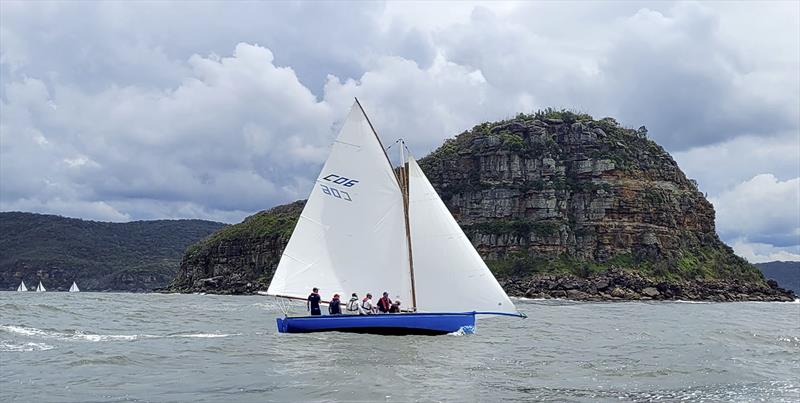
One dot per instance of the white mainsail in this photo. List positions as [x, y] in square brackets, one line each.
[449, 274]
[351, 234]
[22, 287]
[74, 288]
[40, 287]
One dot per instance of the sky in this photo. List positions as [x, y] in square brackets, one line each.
[119, 111]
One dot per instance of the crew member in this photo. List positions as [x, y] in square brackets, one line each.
[365, 308]
[352, 305]
[313, 302]
[384, 303]
[335, 307]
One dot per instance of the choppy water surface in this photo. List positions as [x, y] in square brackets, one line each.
[151, 347]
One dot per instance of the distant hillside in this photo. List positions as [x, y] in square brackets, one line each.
[787, 274]
[100, 256]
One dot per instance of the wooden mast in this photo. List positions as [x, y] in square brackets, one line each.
[402, 178]
[404, 185]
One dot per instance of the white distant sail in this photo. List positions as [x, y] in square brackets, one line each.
[40, 287]
[351, 234]
[450, 275]
[22, 287]
[74, 288]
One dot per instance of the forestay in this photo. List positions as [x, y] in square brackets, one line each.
[351, 234]
[450, 275]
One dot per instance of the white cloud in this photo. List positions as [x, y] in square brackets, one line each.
[721, 166]
[761, 252]
[762, 209]
[128, 110]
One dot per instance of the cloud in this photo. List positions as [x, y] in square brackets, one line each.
[721, 166]
[675, 70]
[122, 111]
[760, 252]
[762, 210]
[238, 134]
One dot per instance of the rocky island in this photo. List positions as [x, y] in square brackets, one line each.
[559, 204]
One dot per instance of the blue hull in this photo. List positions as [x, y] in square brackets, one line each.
[388, 324]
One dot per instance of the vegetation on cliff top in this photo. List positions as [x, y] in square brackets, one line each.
[277, 222]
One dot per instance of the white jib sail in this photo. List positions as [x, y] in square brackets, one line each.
[351, 234]
[74, 288]
[449, 274]
[22, 287]
[40, 287]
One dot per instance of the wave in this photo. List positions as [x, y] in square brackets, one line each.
[202, 335]
[82, 336]
[8, 346]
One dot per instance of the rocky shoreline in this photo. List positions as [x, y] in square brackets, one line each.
[612, 285]
[619, 285]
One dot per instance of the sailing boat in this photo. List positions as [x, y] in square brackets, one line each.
[40, 287]
[366, 228]
[22, 286]
[74, 288]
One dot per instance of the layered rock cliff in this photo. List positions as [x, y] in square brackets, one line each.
[544, 197]
[239, 259]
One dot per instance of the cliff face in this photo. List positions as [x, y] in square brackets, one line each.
[544, 198]
[559, 191]
[240, 258]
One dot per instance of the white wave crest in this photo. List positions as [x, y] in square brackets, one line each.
[77, 335]
[203, 335]
[464, 330]
[82, 336]
[8, 346]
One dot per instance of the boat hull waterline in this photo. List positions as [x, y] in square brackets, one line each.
[385, 324]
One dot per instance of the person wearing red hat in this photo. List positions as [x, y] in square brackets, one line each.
[335, 306]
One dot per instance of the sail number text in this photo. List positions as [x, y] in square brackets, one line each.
[338, 180]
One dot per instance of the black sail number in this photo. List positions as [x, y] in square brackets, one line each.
[338, 192]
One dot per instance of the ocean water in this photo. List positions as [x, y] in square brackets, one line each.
[91, 347]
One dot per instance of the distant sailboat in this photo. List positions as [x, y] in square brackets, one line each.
[74, 288]
[356, 235]
[40, 287]
[22, 287]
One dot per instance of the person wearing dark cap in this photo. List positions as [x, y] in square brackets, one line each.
[384, 304]
[313, 302]
[335, 307]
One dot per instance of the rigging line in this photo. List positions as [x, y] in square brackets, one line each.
[392, 145]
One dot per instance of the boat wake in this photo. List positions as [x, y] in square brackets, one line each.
[78, 335]
[7, 346]
[465, 330]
